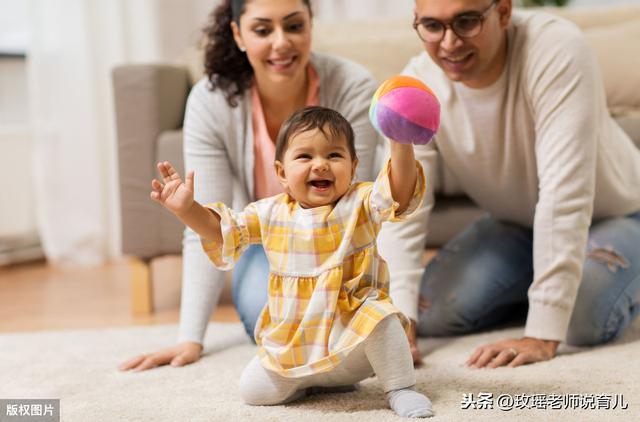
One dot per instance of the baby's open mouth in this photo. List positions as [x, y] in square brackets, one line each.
[321, 184]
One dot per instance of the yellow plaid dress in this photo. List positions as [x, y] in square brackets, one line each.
[328, 287]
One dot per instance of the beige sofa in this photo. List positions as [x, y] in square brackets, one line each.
[150, 102]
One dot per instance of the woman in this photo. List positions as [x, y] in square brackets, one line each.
[259, 70]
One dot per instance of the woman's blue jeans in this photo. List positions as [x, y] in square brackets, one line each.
[249, 289]
[481, 277]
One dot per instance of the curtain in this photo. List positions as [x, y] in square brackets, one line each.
[73, 46]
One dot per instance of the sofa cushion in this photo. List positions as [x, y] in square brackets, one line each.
[630, 123]
[591, 17]
[612, 33]
[382, 46]
[169, 148]
[192, 59]
[450, 216]
[617, 49]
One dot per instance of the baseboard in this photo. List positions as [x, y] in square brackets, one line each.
[16, 250]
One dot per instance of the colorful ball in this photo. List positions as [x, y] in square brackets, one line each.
[405, 110]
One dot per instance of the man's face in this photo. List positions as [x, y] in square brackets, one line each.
[476, 61]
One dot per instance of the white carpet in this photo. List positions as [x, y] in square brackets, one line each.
[79, 368]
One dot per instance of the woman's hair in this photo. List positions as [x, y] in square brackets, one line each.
[225, 65]
[331, 123]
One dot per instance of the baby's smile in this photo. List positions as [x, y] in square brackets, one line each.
[317, 168]
[321, 184]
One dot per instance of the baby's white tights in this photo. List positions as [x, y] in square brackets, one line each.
[385, 352]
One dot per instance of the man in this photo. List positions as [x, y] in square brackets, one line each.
[525, 133]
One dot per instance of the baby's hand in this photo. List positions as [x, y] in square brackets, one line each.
[175, 195]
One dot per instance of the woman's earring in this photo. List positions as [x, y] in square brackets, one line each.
[243, 49]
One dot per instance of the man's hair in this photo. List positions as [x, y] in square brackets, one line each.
[331, 123]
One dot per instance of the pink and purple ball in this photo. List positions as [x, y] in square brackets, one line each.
[405, 110]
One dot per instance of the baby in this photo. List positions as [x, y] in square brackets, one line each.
[328, 322]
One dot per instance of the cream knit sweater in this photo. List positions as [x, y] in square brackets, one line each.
[537, 148]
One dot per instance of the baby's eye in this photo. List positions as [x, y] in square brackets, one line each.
[335, 155]
[303, 157]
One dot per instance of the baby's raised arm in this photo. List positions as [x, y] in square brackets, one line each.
[406, 112]
[402, 174]
[177, 196]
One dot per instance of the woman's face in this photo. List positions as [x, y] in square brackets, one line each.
[276, 35]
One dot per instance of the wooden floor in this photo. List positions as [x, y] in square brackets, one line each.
[42, 297]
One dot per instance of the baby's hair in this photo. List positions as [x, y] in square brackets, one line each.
[331, 123]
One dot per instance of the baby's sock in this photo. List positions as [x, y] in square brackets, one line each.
[408, 403]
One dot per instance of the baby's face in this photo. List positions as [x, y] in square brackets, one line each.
[316, 171]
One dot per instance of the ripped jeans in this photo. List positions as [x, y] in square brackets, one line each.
[481, 278]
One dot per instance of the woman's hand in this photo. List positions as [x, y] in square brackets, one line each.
[178, 355]
[513, 353]
[175, 195]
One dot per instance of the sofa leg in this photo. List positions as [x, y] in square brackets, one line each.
[141, 286]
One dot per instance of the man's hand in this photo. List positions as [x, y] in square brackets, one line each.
[513, 353]
[178, 355]
[175, 195]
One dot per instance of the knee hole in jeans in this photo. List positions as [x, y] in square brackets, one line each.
[590, 331]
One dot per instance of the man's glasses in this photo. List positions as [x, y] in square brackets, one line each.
[466, 25]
